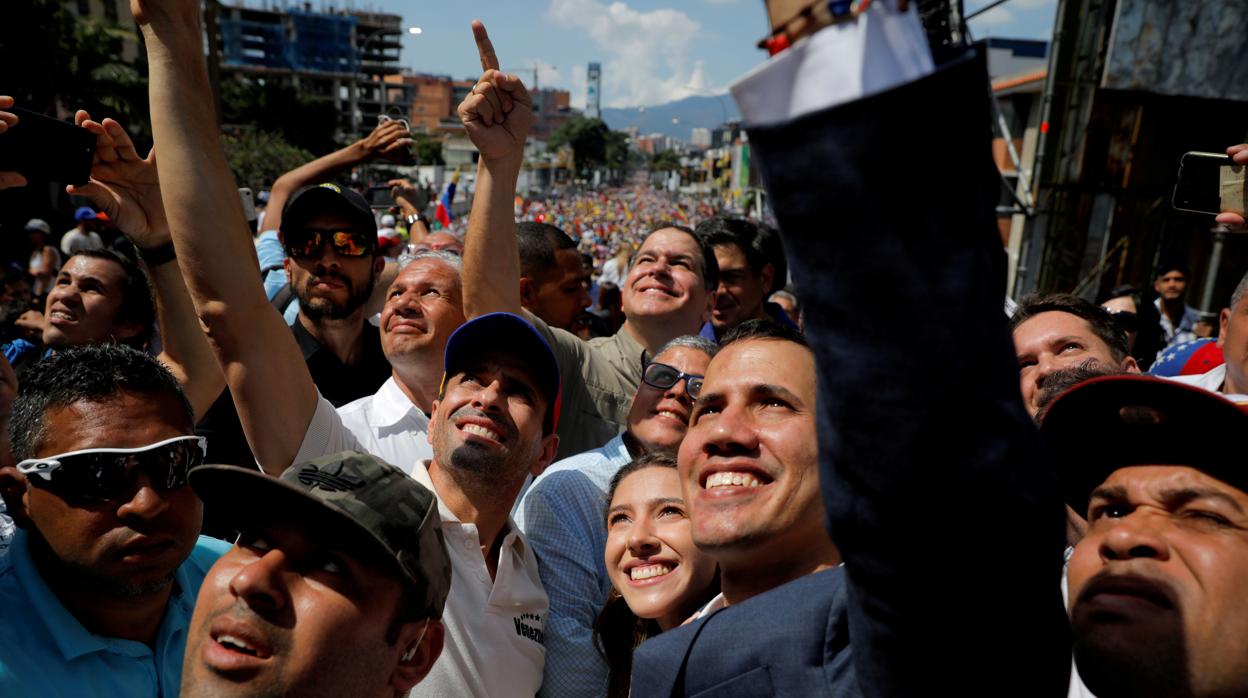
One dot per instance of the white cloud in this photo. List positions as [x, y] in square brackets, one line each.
[547, 74]
[645, 55]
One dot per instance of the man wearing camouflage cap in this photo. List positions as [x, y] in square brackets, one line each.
[336, 585]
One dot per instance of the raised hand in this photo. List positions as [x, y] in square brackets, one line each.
[1239, 155]
[391, 140]
[123, 185]
[498, 113]
[7, 119]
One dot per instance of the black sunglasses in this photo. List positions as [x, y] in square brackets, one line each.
[1126, 319]
[662, 377]
[104, 474]
[308, 242]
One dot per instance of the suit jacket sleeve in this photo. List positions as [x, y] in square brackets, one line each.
[937, 492]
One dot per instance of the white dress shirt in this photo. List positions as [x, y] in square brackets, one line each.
[385, 424]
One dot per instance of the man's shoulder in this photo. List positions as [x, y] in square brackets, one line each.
[803, 645]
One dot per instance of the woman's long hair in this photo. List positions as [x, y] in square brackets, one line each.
[617, 630]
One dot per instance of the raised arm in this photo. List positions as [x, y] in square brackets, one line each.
[497, 115]
[389, 140]
[263, 366]
[127, 188]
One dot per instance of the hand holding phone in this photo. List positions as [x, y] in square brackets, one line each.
[1239, 155]
[1213, 183]
[7, 119]
[40, 146]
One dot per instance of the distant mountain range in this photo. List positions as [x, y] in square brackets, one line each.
[690, 113]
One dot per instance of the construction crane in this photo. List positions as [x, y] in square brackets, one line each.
[535, 70]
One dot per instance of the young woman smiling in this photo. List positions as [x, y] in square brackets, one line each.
[659, 577]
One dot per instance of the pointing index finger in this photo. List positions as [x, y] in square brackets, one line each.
[485, 48]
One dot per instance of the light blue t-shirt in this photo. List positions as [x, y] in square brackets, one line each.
[45, 651]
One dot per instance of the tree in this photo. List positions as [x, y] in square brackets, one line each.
[258, 158]
[428, 149]
[278, 108]
[55, 62]
[587, 138]
[665, 161]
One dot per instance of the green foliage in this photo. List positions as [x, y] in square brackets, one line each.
[278, 108]
[666, 161]
[587, 138]
[258, 158]
[428, 150]
[56, 62]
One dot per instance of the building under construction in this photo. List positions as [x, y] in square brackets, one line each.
[338, 56]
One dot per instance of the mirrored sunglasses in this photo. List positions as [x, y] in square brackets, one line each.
[105, 474]
[346, 243]
[662, 377]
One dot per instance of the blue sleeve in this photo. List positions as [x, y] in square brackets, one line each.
[270, 254]
[562, 516]
[15, 349]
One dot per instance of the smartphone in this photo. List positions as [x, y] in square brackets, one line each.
[1209, 183]
[380, 197]
[45, 148]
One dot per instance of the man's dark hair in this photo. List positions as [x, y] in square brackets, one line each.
[710, 267]
[1102, 323]
[1168, 265]
[92, 373]
[538, 244]
[137, 305]
[758, 242]
[763, 329]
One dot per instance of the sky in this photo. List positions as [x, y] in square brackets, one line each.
[651, 51]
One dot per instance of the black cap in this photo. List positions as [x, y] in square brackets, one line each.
[513, 335]
[329, 198]
[1112, 422]
[356, 501]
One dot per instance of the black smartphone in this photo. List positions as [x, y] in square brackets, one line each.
[41, 147]
[1209, 183]
[379, 197]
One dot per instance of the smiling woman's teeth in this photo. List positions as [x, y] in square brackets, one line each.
[480, 431]
[639, 573]
[668, 413]
[731, 479]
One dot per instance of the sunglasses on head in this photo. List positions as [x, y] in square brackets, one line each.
[309, 241]
[662, 377]
[105, 474]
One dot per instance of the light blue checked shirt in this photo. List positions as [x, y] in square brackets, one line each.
[562, 515]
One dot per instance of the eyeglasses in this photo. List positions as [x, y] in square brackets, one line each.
[104, 474]
[1126, 319]
[661, 377]
[309, 241]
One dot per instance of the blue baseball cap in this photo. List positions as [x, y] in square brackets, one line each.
[85, 213]
[513, 335]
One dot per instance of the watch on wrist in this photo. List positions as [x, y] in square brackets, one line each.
[415, 218]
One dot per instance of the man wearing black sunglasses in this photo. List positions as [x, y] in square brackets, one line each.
[101, 578]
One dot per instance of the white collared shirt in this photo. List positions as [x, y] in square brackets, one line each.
[385, 424]
[494, 628]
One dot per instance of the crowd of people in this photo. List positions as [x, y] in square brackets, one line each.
[254, 450]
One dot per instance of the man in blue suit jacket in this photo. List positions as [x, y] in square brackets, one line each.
[935, 486]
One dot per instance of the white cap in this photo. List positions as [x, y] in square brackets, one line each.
[387, 221]
[39, 224]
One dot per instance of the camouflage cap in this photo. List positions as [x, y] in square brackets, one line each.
[351, 499]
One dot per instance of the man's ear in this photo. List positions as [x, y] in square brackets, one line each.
[528, 292]
[433, 417]
[379, 263]
[1224, 321]
[1130, 366]
[419, 651]
[550, 445]
[13, 488]
[767, 279]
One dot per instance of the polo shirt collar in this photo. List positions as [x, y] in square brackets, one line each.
[307, 343]
[391, 406]
[630, 347]
[511, 537]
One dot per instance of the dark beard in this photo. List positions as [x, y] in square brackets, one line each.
[320, 307]
[1064, 379]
